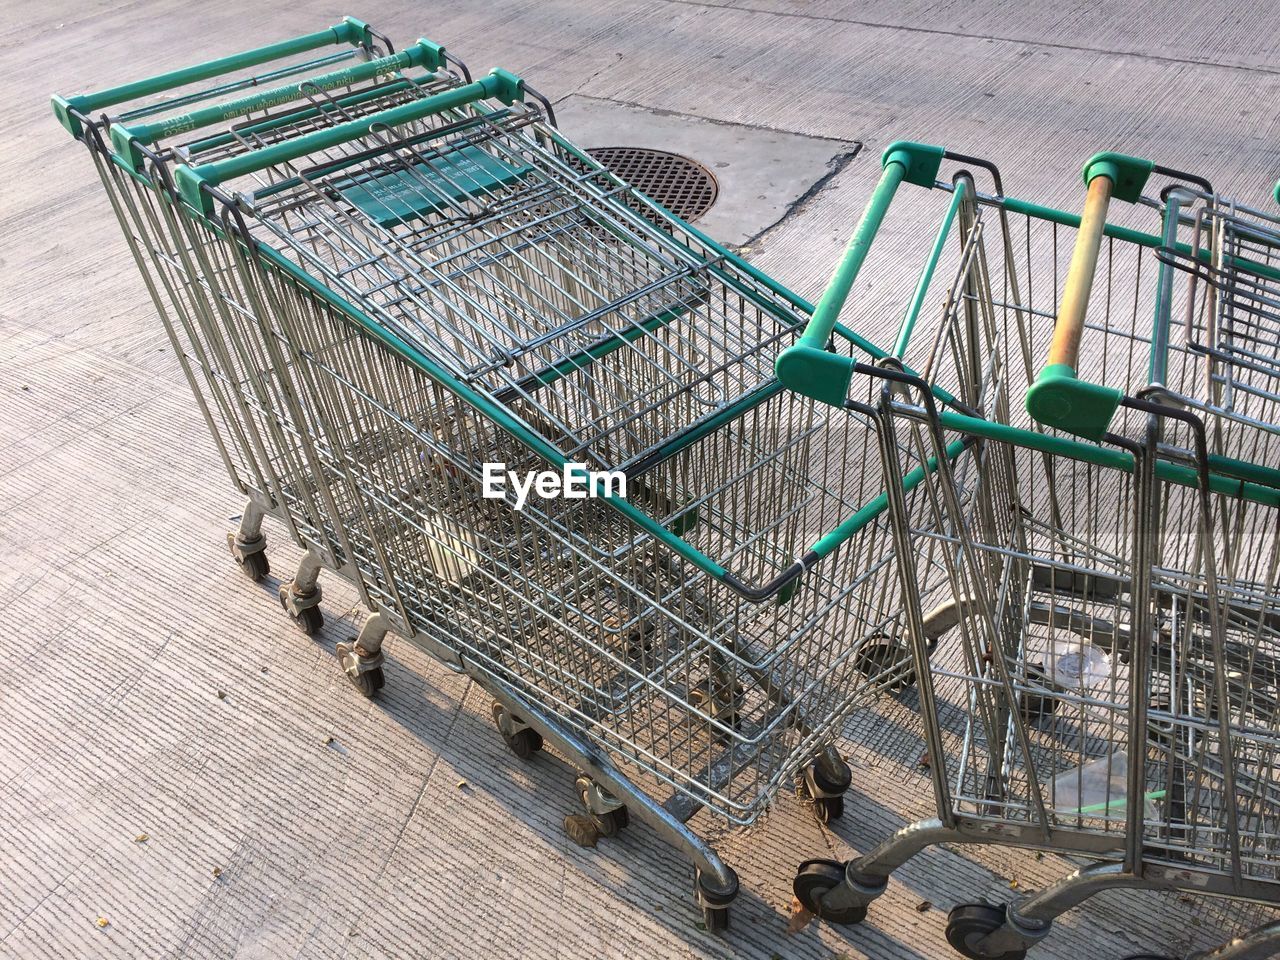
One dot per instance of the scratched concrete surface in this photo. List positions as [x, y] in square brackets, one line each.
[150, 689]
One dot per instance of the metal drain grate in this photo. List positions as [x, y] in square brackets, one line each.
[682, 185]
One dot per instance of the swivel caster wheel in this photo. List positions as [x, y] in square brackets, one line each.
[307, 618]
[522, 740]
[823, 783]
[887, 663]
[827, 809]
[255, 566]
[813, 881]
[608, 815]
[368, 681]
[250, 556]
[612, 823]
[309, 621]
[971, 923]
[714, 900]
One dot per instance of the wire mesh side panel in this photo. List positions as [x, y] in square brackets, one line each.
[1215, 692]
[1087, 599]
[218, 371]
[485, 244]
[1037, 578]
[672, 672]
[1230, 324]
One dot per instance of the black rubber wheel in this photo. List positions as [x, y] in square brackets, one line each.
[715, 919]
[969, 923]
[827, 809]
[611, 823]
[254, 566]
[1033, 707]
[309, 621]
[369, 682]
[525, 743]
[813, 880]
[879, 659]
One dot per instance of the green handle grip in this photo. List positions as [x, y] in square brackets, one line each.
[806, 366]
[505, 86]
[127, 140]
[1275, 194]
[350, 31]
[1128, 175]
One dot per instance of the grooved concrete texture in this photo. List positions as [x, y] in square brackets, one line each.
[149, 689]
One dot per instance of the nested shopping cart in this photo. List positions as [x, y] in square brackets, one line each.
[1108, 688]
[260, 97]
[381, 290]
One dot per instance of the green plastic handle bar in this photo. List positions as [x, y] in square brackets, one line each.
[806, 366]
[350, 31]
[127, 140]
[1059, 398]
[1275, 194]
[192, 181]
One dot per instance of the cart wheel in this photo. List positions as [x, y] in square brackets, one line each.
[813, 880]
[369, 682]
[309, 621]
[1034, 707]
[715, 919]
[969, 923]
[827, 809]
[524, 743]
[611, 824]
[254, 566]
[881, 659]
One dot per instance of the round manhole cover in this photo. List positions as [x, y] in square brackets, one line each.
[682, 185]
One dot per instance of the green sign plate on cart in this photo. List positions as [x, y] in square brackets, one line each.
[401, 195]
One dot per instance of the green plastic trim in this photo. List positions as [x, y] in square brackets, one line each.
[920, 161]
[350, 31]
[912, 315]
[818, 331]
[815, 373]
[1127, 174]
[876, 506]
[1275, 194]
[127, 139]
[1060, 399]
[191, 181]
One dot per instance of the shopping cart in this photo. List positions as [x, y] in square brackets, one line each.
[389, 302]
[181, 266]
[1095, 614]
